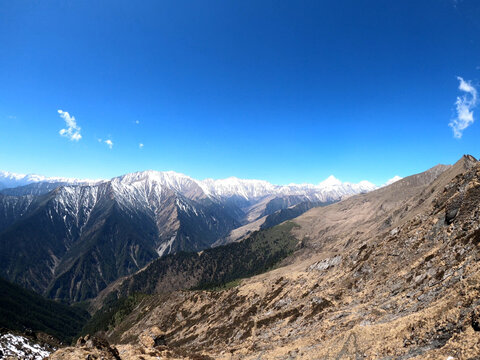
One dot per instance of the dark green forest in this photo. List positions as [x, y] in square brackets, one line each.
[22, 310]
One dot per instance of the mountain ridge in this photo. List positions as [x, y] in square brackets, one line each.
[389, 274]
[247, 188]
[134, 218]
[303, 235]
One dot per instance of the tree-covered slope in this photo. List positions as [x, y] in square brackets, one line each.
[215, 266]
[22, 309]
[209, 269]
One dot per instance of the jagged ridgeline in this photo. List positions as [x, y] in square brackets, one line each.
[22, 310]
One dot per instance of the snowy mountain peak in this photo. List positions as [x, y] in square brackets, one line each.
[232, 186]
[143, 183]
[330, 181]
[164, 177]
[10, 180]
[148, 182]
[392, 180]
[367, 185]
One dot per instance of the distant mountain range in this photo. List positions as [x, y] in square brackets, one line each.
[12, 180]
[70, 238]
[248, 189]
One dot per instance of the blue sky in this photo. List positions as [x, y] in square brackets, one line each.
[286, 91]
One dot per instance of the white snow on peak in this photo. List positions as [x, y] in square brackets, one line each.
[145, 184]
[167, 178]
[327, 190]
[10, 180]
[330, 181]
[392, 180]
[158, 180]
[232, 186]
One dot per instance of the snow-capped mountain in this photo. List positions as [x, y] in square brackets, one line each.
[393, 180]
[73, 237]
[327, 190]
[12, 180]
[73, 241]
[232, 186]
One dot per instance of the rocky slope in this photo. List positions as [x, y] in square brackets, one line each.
[392, 274]
[209, 268]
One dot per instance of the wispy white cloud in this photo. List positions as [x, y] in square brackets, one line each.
[137, 122]
[109, 143]
[72, 131]
[140, 146]
[464, 107]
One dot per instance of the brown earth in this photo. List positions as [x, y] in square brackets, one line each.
[392, 274]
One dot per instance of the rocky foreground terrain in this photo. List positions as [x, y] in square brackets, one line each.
[392, 274]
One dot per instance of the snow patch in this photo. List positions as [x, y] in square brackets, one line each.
[162, 249]
[21, 348]
[393, 180]
[11, 180]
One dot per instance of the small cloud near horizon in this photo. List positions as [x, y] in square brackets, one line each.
[72, 131]
[464, 108]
